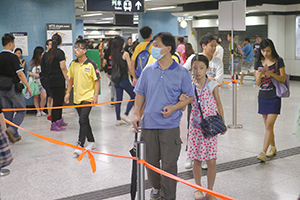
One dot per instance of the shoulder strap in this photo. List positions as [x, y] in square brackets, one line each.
[276, 67]
[148, 45]
[200, 97]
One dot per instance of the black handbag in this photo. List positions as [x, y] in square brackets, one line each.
[116, 75]
[211, 125]
[6, 83]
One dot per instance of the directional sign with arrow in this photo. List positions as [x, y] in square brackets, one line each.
[115, 5]
[138, 5]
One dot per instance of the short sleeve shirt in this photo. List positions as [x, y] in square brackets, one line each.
[162, 88]
[267, 89]
[256, 47]
[234, 50]
[108, 67]
[248, 51]
[10, 65]
[181, 48]
[55, 77]
[84, 77]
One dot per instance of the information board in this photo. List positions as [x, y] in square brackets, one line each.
[21, 41]
[115, 5]
[65, 31]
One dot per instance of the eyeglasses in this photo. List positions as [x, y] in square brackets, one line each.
[77, 48]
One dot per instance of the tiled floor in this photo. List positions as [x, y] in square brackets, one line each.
[42, 170]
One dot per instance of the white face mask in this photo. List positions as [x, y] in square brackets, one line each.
[155, 51]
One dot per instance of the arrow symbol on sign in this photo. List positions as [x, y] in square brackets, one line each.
[138, 5]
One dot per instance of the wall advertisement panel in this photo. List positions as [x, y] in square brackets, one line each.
[65, 31]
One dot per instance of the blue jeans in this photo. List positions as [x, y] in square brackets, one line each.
[120, 87]
[12, 99]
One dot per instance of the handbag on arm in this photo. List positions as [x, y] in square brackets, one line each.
[211, 125]
[282, 89]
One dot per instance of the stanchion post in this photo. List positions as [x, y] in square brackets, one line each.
[234, 90]
[141, 152]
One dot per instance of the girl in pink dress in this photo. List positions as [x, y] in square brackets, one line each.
[200, 148]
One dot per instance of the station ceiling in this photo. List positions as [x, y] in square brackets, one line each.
[186, 8]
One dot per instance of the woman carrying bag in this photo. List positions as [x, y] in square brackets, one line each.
[33, 72]
[120, 62]
[269, 104]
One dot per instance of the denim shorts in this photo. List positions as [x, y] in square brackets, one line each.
[235, 63]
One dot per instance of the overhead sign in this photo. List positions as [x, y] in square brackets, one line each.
[115, 5]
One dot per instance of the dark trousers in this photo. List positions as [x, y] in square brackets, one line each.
[58, 94]
[120, 87]
[85, 130]
[162, 145]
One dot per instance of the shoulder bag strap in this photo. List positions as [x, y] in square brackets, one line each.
[200, 97]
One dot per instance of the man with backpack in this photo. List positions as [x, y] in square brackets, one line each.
[141, 53]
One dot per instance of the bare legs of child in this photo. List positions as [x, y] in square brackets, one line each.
[211, 176]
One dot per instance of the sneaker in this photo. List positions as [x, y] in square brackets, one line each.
[91, 146]
[78, 152]
[49, 118]
[140, 130]
[154, 194]
[188, 163]
[38, 114]
[120, 122]
[272, 152]
[204, 165]
[43, 113]
[61, 123]
[262, 157]
[198, 195]
[55, 127]
[126, 119]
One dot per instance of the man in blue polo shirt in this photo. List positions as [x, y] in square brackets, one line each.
[159, 87]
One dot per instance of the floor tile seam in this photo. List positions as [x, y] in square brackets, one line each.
[220, 168]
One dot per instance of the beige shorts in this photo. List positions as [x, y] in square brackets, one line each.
[247, 67]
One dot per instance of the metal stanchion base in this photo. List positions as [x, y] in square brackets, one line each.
[4, 172]
[235, 127]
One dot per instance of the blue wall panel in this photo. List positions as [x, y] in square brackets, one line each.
[159, 22]
[31, 16]
[79, 27]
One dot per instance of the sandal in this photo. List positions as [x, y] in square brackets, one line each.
[210, 197]
[198, 195]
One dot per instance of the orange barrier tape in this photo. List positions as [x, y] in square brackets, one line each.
[93, 163]
[87, 105]
[90, 156]
[221, 196]
[71, 106]
[233, 81]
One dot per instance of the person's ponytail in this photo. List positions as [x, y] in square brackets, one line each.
[56, 40]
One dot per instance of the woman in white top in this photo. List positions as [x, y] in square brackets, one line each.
[219, 49]
[34, 70]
